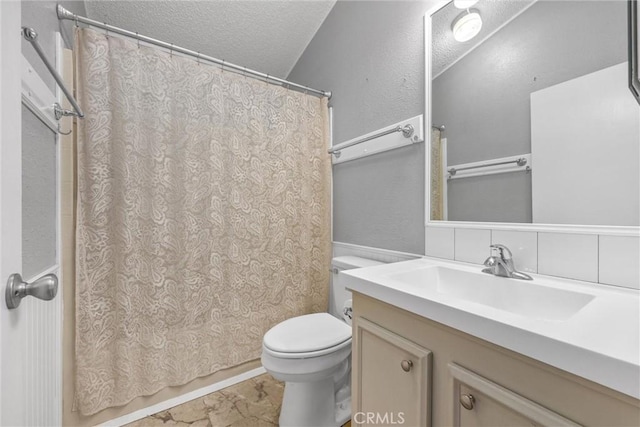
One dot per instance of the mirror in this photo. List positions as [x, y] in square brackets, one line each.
[532, 119]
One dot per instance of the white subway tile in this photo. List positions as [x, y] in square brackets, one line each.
[439, 242]
[620, 261]
[472, 245]
[523, 245]
[574, 256]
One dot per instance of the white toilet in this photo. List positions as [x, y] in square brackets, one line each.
[312, 355]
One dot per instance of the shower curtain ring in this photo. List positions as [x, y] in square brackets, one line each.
[171, 51]
[244, 73]
[267, 79]
[138, 39]
[222, 68]
[198, 58]
[75, 19]
[106, 27]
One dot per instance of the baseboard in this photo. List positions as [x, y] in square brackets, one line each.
[167, 404]
[378, 254]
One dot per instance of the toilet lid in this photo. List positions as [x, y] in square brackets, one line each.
[308, 333]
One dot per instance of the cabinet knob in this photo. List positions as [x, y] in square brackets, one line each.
[467, 401]
[406, 365]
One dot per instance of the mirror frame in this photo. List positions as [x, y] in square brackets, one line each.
[634, 39]
[614, 230]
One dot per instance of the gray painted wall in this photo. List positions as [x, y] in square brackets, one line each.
[38, 195]
[487, 112]
[41, 15]
[371, 55]
[503, 191]
[38, 143]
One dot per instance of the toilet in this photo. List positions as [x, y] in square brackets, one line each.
[312, 355]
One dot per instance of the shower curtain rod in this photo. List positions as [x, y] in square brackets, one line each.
[67, 14]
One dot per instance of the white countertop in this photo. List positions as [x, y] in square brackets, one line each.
[601, 342]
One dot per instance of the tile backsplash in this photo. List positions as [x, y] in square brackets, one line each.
[611, 260]
[439, 242]
[523, 246]
[574, 256]
[619, 261]
[471, 245]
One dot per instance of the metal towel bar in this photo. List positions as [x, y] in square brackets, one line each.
[31, 36]
[520, 162]
[407, 132]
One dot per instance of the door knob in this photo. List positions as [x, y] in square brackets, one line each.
[45, 288]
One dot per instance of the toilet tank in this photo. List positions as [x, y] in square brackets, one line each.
[338, 294]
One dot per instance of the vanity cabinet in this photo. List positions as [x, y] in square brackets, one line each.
[391, 378]
[449, 366]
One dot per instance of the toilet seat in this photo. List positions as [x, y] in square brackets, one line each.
[308, 354]
[310, 335]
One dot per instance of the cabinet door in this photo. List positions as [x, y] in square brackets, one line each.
[482, 403]
[391, 378]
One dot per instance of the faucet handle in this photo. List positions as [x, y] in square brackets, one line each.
[504, 251]
[490, 262]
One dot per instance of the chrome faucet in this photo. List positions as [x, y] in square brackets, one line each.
[500, 263]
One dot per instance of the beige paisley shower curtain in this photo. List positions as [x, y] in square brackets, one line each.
[202, 217]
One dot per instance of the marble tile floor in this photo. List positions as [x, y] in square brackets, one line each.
[251, 403]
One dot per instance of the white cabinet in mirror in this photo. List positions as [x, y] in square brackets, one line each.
[544, 81]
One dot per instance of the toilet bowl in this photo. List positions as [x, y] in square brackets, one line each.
[312, 355]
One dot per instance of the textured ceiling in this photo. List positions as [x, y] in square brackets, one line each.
[267, 36]
[445, 50]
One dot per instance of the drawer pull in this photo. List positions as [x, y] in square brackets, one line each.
[467, 401]
[406, 365]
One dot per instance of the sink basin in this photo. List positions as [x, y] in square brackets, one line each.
[587, 329]
[524, 298]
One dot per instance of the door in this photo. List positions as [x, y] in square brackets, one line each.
[30, 350]
[12, 406]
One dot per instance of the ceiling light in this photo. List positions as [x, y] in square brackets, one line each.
[464, 4]
[467, 25]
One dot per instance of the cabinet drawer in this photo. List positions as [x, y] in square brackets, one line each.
[479, 402]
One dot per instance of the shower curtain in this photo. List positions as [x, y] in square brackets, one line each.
[203, 206]
[437, 177]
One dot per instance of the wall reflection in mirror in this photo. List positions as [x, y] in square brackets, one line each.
[539, 123]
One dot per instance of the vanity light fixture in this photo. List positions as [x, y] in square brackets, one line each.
[464, 4]
[467, 25]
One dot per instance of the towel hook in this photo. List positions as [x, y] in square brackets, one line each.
[59, 113]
